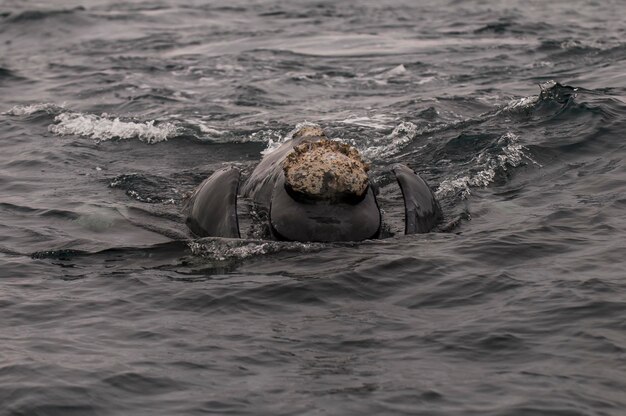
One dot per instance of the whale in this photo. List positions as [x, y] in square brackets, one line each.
[312, 189]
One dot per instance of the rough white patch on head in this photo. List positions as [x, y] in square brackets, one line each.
[324, 169]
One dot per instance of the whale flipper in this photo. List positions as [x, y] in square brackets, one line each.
[212, 209]
[421, 209]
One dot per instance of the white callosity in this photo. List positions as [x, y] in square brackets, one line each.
[324, 169]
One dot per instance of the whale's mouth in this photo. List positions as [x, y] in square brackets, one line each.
[323, 194]
[298, 219]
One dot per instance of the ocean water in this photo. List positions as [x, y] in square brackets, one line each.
[113, 111]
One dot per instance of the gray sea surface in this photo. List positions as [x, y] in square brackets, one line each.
[113, 111]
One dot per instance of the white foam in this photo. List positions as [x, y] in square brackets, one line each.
[384, 146]
[379, 147]
[393, 72]
[520, 104]
[222, 249]
[274, 138]
[398, 70]
[27, 110]
[425, 80]
[210, 130]
[378, 121]
[391, 144]
[511, 155]
[103, 128]
[539, 64]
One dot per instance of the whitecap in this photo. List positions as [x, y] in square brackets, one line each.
[102, 128]
[519, 104]
[274, 138]
[30, 109]
[393, 72]
[378, 121]
[391, 144]
[223, 249]
[486, 166]
[210, 130]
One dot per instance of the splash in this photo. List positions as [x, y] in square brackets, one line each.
[391, 144]
[511, 155]
[372, 149]
[210, 130]
[550, 91]
[149, 189]
[520, 104]
[102, 128]
[38, 15]
[28, 110]
[274, 139]
[377, 121]
[222, 249]
[394, 72]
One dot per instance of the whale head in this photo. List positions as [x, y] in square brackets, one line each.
[324, 193]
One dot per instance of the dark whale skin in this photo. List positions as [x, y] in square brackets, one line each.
[421, 209]
[260, 185]
[212, 209]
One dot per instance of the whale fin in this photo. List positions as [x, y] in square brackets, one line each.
[212, 209]
[421, 208]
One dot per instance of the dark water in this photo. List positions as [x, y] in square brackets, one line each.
[112, 111]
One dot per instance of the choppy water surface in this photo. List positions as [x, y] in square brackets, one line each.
[112, 112]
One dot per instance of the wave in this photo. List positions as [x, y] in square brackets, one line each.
[557, 106]
[8, 74]
[490, 157]
[31, 109]
[478, 160]
[103, 128]
[507, 151]
[393, 143]
[149, 189]
[224, 249]
[506, 26]
[376, 121]
[577, 46]
[110, 127]
[274, 138]
[485, 167]
[100, 128]
[374, 148]
[36, 15]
